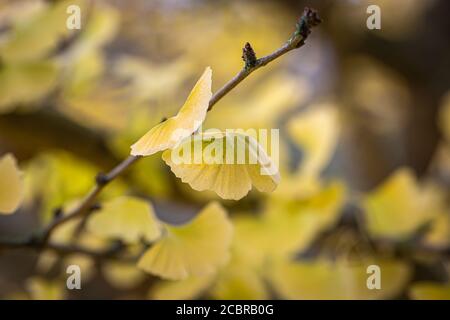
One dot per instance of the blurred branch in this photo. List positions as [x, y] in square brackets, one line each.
[35, 132]
[308, 20]
[113, 252]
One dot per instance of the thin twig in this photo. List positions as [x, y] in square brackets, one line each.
[115, 251]
[86, 204]
[308, 20]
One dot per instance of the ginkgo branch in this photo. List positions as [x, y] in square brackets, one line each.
[88, 202]
[114, 252]
[308, 20]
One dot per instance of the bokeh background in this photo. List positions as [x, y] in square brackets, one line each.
[364, 119]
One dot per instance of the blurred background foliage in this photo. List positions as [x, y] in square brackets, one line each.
[364, 119]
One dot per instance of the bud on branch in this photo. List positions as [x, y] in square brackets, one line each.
[308, 20]
[249, 56]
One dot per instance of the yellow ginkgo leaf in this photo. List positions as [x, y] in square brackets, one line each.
[250, 239]
[190, 117]
[324, 205]
[11, 185]
[287, 227]
[84, 59]
[66, 179]
[226, 163]
[84, 262]
[34, 37]
[89, 109]
[91, 241]
[272, 236]
[49, 259]
[46, 260]
[430, 291]
[126, 218]
[438, 235]
[64, 234]
[122, 275]
[337, 280]
[304, 219]
[316, 132]
[149, 80]
[195, 249]
[25, 83]
[100, 28]
[400, 206]
[67, 234]
[42, 289]
[298, 185]
[238, 281]
[188, 288]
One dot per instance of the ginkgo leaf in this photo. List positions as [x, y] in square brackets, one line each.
[398, 207]
[219, 166]
[195, 249]
[298, 185]
[126, 218]
[89, 109]
[91, 241]
[438, 235]
[46, 260]
[25, 83]
[327, 204]
[188, 288]
[100, 28]
[64, 233]
[430, 291]
[84, 262]
[49, 259]
[282, 230]
[268, 237]
[304, 219]
[11, 185]
[287, 227]
[66, 179]
[122, 275]
[238, 281]
[190, 117]
[340, 279]
[42, 289]
[324, 205]
[316, 132]
[67, 234]
[84, 73]
[84, 60]
[149, 80]
[34, 37]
